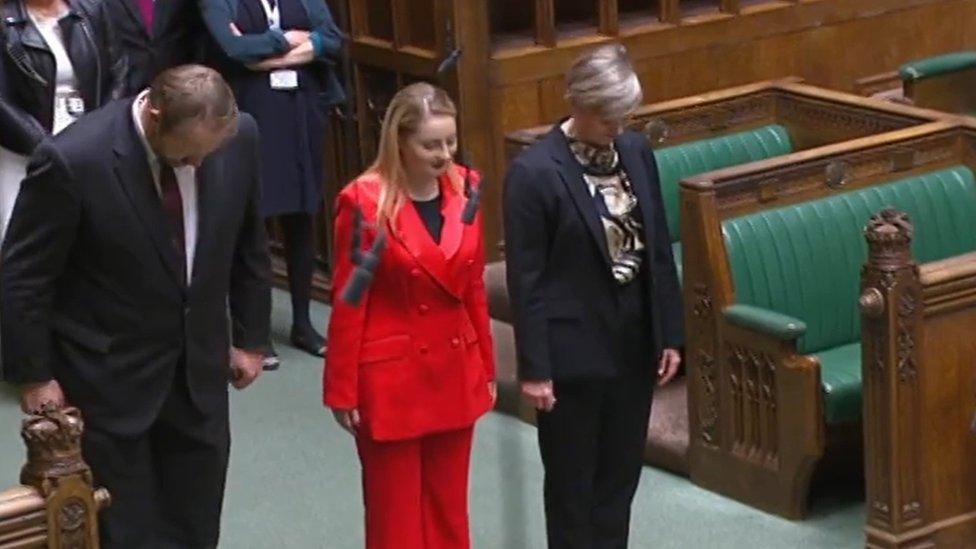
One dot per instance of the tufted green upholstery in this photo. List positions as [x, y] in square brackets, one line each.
[937, 66]
[804, 261]
[680, 161]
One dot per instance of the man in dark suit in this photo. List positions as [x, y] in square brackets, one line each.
[156, 35]
[596, 300]
[136, 256]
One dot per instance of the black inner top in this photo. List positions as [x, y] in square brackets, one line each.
[430, 212]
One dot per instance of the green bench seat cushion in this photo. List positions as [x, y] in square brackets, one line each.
[938, 65]
[840, 377]
[804, 260]
[687, 159]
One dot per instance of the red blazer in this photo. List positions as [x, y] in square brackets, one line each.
[415, 357]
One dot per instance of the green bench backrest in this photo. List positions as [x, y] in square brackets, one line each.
[805, 260]
[937, 66]
[680, 161]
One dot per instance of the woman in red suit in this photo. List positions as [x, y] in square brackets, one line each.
[410, 368]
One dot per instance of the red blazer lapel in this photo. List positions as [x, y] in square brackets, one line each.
[453, 231]
[409, 230]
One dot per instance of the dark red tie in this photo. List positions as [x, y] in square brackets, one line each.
[173, 209]
[147, 9]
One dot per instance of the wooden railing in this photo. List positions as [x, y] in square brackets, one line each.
[57, 505]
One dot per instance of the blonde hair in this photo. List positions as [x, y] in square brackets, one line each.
[604, 81]
[406, 112]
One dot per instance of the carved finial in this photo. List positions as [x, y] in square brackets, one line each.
[53, 441]
[889, 234]
[656, 130]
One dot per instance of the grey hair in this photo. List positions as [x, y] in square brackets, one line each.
[604, 81]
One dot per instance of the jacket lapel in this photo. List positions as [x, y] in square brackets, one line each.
[453, 230]
[639, 179]
[130, 8]
[135, 177]
[415, 238]
[256, 17]
[572, 176]
[29, 35]
[163, 12]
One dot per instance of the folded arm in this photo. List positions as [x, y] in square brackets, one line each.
[218, 16]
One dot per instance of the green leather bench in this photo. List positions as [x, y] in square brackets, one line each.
[687, 159]
[944, 82]
[796, 270]
[939, 65]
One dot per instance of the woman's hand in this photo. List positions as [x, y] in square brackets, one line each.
[539, 394]
[296, 38]
[668, 368]
[300, 55]
[348, 420]
[493, 391]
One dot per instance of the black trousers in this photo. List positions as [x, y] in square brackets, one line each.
[167, 484]
[592, 446]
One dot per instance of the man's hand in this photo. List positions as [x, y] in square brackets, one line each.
[493, 391]
[36, 397]
[245, 366]
[539, 394]
[668, 368]
[296, 38]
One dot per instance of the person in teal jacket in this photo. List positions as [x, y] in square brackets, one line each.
[281, 58]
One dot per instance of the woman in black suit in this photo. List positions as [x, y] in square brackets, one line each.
[58, 60]
[596, 300]
[280, 57]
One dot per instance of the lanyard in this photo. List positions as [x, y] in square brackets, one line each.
[272, 12]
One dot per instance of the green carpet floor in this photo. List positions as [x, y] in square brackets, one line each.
[294, 480]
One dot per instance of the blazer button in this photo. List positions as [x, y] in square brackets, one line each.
[423, 309]
[455, 343]
[415, 273]
[470, 263]
[424, 350]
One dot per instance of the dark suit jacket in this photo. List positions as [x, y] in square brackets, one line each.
[91, 292]
[563, 294]
[177, 38]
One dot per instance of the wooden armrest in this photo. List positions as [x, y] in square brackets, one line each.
[19, 501]
[948, 285]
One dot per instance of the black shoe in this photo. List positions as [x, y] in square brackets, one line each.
[271, 360]
[310, 341]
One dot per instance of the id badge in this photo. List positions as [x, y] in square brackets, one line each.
[284, 80]
[75, 105]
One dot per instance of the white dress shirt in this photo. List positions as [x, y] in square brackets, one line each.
[186, 180]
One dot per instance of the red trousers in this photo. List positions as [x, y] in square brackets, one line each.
[416, 491]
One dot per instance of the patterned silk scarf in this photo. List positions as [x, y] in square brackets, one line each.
[614, 198]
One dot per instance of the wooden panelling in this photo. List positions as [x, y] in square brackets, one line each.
[515, 53]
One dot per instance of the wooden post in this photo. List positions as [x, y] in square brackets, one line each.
[669, 11]
[609, 18]
[730, 6]
[56, 471]
[545, 23]
[890, 309]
